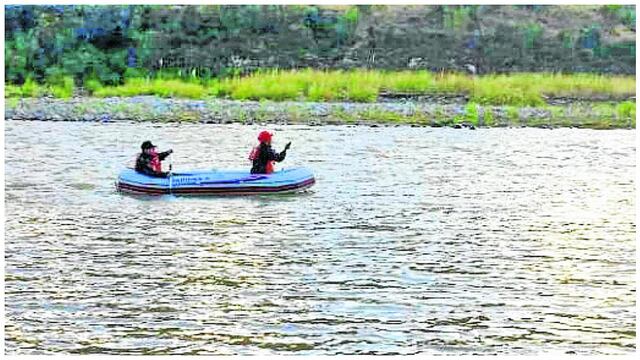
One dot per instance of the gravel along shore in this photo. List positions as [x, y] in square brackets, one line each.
[597, 115]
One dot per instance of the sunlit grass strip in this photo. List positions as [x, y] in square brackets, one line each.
[158, 87]
[311, 85]
[520, 89]
[582, 85]
[27, 90]
[62, 89]
[524, 89]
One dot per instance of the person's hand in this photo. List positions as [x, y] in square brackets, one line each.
[286, 147]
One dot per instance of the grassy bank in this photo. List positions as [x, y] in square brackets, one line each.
[522, 89]
[365, 86]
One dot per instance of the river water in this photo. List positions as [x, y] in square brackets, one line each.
[413, 240]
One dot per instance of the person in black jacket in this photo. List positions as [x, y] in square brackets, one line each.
[148, 162]
[263, 156]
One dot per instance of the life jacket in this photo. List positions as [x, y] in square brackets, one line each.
[255, 154]
[155, 163]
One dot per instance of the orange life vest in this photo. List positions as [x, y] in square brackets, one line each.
[156, 164]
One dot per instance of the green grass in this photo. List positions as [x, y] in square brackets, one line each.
[582, 85]
[488, 119]
[29, 89]
[12, 91]
[158, 87]
[506, 90]
[520, 89]
[451, 83]
[364, 86]
[381, 116]
[93, 85]
[62, 89]
[524, 89]
[471, 113]
[513, 114]
[407, 81]
[626, 110]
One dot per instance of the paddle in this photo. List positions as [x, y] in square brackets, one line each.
[170, 170]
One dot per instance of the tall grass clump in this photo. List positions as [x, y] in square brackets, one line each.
[626, 110]
[158, 87]
[488, 117]
[361, 86]
[505, 90]
[30, 89]
[92, 85]
[583, 85]
[12, 91]
[451, 83]
[313, 85]
[269, 85]
[62, 88]
[325, 86]
[321, 91]
[131, 87]
[177, 88]
[137, 73]
[471, 113]
[407, 81]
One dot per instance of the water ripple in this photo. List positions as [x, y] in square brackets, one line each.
[437, 241]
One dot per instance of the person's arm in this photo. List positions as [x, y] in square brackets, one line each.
[163, 155]
[139, 164]
[279, 156]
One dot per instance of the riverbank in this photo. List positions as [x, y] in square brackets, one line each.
[597, 115]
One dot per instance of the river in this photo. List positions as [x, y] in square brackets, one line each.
[413, 240]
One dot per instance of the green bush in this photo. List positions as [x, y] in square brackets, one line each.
[12, 91]
[471, 113]
[132, 73]
[63, 90]
[92, 85]
[29, 89]
[626, 110]
[488, 118]
[513, 114]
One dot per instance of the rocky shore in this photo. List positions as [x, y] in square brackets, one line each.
[402, 111]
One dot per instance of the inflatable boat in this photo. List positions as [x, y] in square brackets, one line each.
[216, 182]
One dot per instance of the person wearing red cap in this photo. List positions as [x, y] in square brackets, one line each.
[263, 155]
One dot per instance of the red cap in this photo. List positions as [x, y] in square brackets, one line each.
[264, 136]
